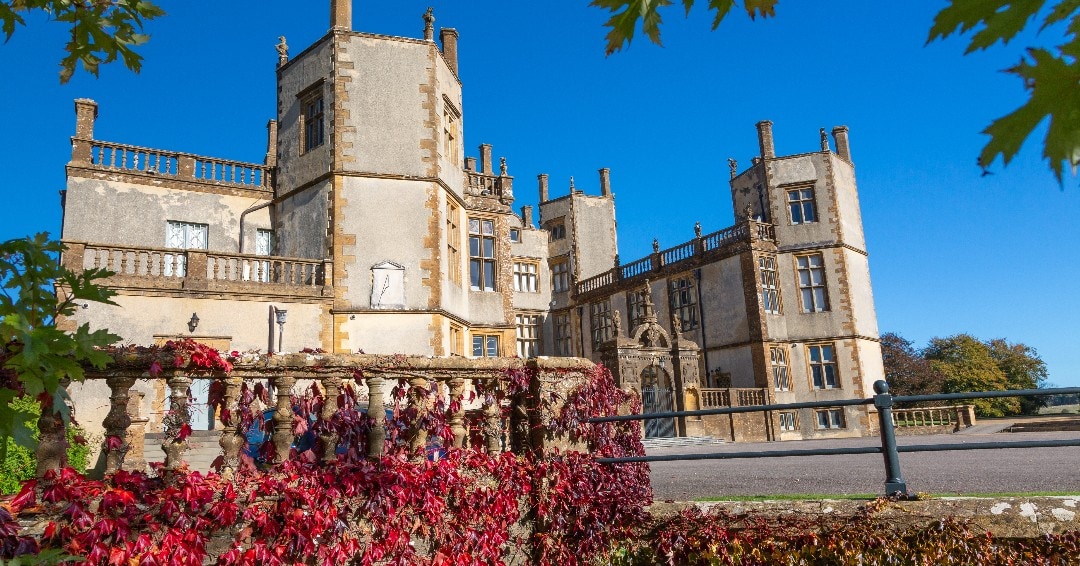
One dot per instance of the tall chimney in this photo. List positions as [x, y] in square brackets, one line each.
[470, 164]
[485, 158]
[843, 148]
[605, 182]
[85, 114]
[271, 144]
[542, 180]
[449, 39]
[765, 139]
[341, 15]
[526, 216]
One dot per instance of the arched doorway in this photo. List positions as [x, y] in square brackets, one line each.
[657, 397]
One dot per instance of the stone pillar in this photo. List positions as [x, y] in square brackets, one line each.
[418, 400]
[85, 114]
[843, 148]
[456, 418]
[328, 437]
[178, 416]
[485, 159]
[449, 37]
[765, 139]
[283, 417]
[116, 423]
[135, 459]
[605, 182]
[232, 437]
[72, 257]
[492, 420]
[377, 413]
[341, 15]
[51, 452]
[542, 180]
[195, 274]
[271, 144]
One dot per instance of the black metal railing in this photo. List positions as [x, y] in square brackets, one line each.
[883, 401]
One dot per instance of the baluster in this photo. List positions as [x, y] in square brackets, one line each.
[135, 160]
[176, 419]
[283, 417]
[492, 421]
[328, 438]
[51, 452]
[116, 423]
[456, 418]
[232, 438]
[377, 413]
[418, 399]
[112, 157]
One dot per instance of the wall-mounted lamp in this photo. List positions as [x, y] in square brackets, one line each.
[279, 317]
[193, 323]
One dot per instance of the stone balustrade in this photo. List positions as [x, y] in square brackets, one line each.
[109, 156]
[719, 242]
[194, 269]
[716, 398]
[954, 417]
[489, 185]
[467, 387]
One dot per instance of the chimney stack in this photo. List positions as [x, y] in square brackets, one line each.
[485, 158]
[843, 149]
[271, 144]
[341, 15]
[543, 182]
[526, 216]
[765, 139]
[470, 164]
[85, 114]
[449, 39]
[605, 182]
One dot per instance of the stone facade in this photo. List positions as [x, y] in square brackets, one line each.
[368, 229]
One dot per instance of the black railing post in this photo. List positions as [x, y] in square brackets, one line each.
[883, 401]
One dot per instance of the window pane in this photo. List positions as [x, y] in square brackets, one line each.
[489, 247]
[808, 212]
[830, 376]
[489, 275]
[822, 419]
[474, 226]
[492, 346]
[819, 299]
[837, 418]
[474, 246]
[488, 226]
[474, 273]
[816, 371]
[478, 346]
[796, 215]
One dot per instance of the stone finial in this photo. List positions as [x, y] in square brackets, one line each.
[282, 51]
[749, 211]
[733, 166]
[502, 166]
[571, 183]
[655, 246]
[676, 326]
[616, 322]
[824, 140]
[429, 24]
[697, 229]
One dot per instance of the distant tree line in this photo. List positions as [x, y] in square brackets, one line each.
[965, 363]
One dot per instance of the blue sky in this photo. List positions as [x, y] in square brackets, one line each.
[951, 251]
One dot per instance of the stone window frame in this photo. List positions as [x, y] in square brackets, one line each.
[526, 275]
[515, 235]
[451, 131]
[682, 299]
[560, 274]
[481, 258]
[488, 342]
[770, 284]
[801, 202]
[830, 419]
[563, 333]
[635, 311]
[781, 369]
[313, 123]
[457, 344]
[528, 334]
[813, 294]
[789, 421]
[820, 368]
[557, 228]
[600, 322]
[453, 242]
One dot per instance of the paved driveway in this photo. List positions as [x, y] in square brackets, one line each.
[953, 472]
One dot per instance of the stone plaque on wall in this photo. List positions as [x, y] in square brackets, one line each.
[387, 286]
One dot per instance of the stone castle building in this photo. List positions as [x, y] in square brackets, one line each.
[369, 228]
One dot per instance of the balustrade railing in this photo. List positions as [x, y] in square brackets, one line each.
[481, 184]
[183, 166]
[955, 416]
[172, 263]
[742, 232]
[732, 397]
[491, 413]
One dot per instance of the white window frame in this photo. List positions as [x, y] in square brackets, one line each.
[802, 208]
[526, 277]
[528, 335]
[482, 258]
[770, 286]
[813, 287]
[182, 236]
[780, 368]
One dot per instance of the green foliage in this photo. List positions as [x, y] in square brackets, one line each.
[1052, 76]
[1023, 369]
[101, 31]
[19, 464]
[906, 371]
[967, 365]
[37, 356]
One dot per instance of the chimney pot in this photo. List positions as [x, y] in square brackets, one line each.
[605, 182]
[543, 183]
[485, 158]
[449, 37]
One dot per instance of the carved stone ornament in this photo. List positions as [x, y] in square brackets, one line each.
[429, 24]
[616, 323]
[824, 140]
[749, 211]
[282, 51]
[697, 229]
[502, 166]
[733, 166]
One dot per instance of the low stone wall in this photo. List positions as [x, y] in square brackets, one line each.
[1018, 517]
